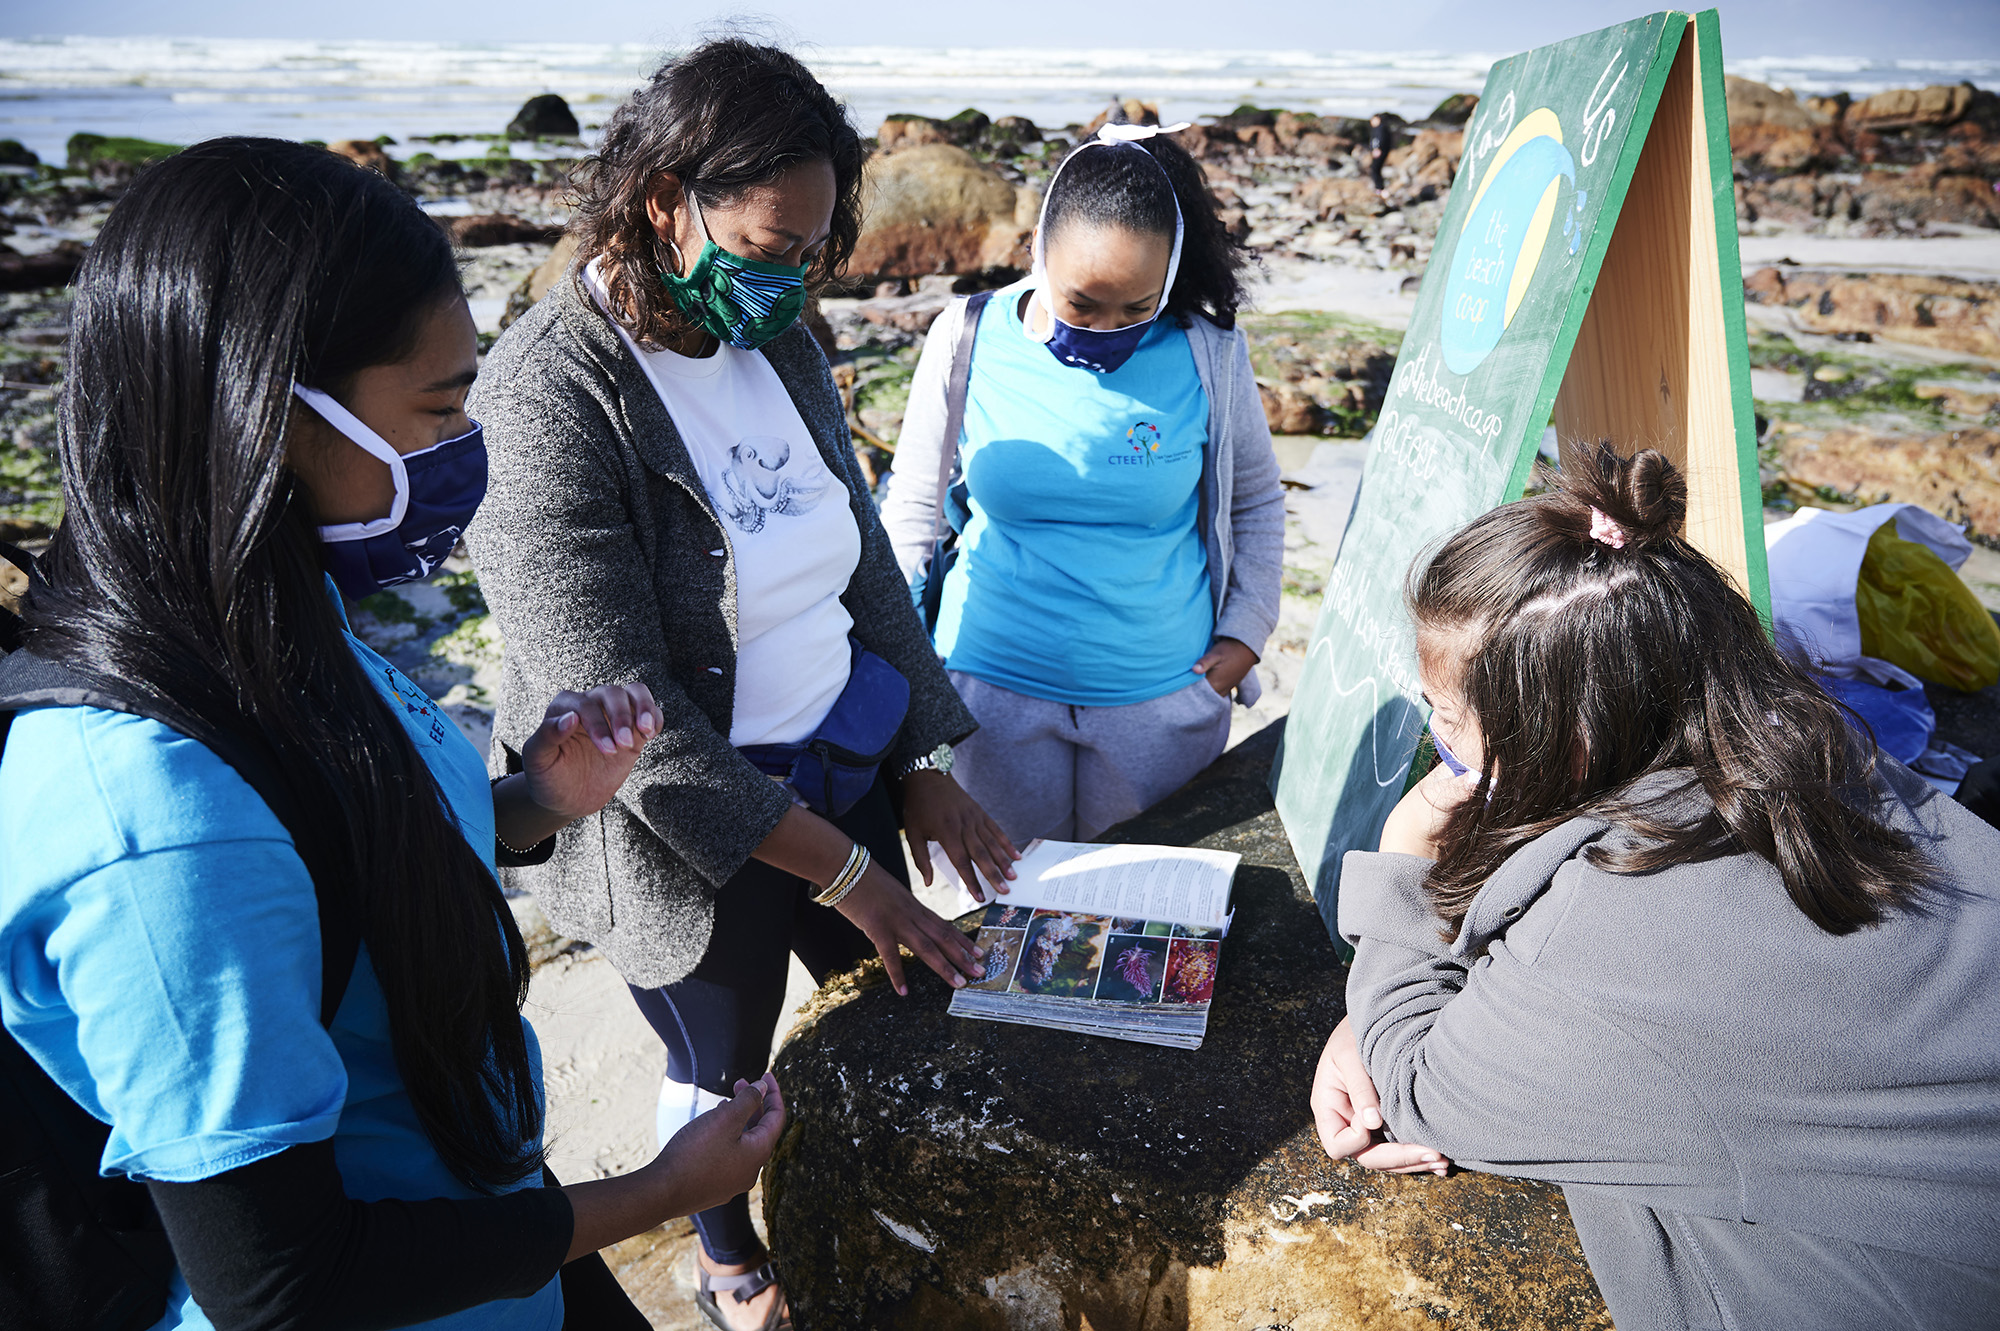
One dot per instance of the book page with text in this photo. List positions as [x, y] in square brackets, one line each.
[1178, 884]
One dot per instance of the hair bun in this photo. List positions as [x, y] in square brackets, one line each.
[1644, 494]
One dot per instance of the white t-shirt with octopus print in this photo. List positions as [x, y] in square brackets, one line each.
[788, 528]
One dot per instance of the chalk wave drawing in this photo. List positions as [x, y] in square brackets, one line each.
[1400, 770]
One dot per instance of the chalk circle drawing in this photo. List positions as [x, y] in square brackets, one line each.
[1501, 243]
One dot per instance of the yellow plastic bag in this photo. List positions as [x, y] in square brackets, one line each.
[1916, 613]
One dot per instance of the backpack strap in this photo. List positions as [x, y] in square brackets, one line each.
[28, 681]
[954, 401]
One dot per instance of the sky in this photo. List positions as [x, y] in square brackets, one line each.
[1916, 29]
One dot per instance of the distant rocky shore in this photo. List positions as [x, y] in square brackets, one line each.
[951, 204]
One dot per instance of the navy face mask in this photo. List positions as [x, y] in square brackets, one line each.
[437, 491]
[1104, 350]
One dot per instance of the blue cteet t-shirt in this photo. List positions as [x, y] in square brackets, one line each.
[160, 958]
[1081, 576]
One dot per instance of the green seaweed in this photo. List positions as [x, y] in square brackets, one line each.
[86, 150]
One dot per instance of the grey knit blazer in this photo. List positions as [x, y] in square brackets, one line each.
[604, 562]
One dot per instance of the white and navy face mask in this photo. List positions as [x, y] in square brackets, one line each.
[1103, 350]
[438, 489]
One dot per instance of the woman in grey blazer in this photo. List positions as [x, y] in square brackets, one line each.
[674, 500]
[1121, 528]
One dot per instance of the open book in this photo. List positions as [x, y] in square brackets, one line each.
[1120, 941]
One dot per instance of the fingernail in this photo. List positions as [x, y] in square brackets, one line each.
[648, 724]
[902, 991]
[1372, 1118]
[624, 737]
[606, 746]
[567, 723]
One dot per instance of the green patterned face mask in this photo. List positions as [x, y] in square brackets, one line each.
[743, 302]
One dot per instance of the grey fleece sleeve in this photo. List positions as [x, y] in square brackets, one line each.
[561, 566]
[910, 511]
[1256, 514]
[1501, 1070]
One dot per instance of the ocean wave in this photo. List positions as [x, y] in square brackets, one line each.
[183, 89]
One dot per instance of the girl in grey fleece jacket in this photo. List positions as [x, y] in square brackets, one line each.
[1674, 937]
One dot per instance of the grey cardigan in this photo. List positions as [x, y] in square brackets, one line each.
[604, 562]
[1757, 1124]
[1242, 505]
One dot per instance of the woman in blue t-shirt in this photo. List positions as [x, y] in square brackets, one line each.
[265, 401]
[1121, 527]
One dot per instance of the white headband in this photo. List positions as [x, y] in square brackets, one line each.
[1117, 136]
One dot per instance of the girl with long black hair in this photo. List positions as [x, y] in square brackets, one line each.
[1110, 474]
[269, 362]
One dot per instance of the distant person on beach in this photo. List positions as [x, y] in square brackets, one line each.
[1660, 928]
[676, 500]
[265, 403]
[1381, 138]
[1120, 528]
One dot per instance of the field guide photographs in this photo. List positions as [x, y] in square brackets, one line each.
[1119, 941]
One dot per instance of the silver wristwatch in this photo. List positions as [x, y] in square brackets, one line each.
[937, 760]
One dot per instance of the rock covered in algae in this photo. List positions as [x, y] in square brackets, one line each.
[941, 1172]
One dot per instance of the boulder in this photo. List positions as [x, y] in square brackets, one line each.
[1329, 197]
[546, 116]
[1953, 473]
[366, 153]
[905, 131]
[937, 209]
[1949, 313]
[1905, 108]
[1753, 103]
[537, 284]
[14, 153]
[1431, 158]
[941, 1172]
[114, 161]
[1015, 130]
[1455, 109]
[34, 272]
[1130, 111]
[1290, 409]
[484, 229]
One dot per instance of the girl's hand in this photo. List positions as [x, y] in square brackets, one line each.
[1225, 664]
[720, 1153]
[1418, 818]
[936, 808]
[585, 747]
[1348, 1113]
[893, 919]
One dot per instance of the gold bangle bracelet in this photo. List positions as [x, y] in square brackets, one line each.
[843, 882]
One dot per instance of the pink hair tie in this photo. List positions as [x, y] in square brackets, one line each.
[1604, 531]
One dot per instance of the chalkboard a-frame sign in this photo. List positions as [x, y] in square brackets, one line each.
[1586, 266]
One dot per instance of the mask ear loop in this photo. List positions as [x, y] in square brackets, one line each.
[1108, 136]
[356, 431]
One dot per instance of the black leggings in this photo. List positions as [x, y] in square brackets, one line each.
[718, 1023]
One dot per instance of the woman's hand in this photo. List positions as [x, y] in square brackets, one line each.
[1418, 818]
[1349, 1113]
[893, 919]
[585, 748]
[936, 808]
[1225, 664]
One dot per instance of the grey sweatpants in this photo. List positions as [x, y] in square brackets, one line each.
[1049, 769]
